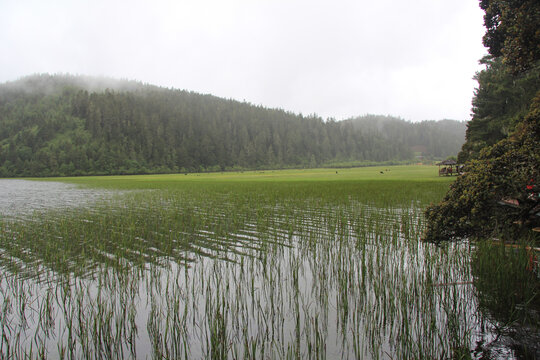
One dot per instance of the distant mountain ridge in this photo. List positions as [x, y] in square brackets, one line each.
[428, 138]
[56, 125]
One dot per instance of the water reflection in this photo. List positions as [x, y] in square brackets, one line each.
[509, 299]
[172, 274]
[21, 198]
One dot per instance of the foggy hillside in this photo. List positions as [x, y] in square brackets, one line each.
[46, 84]
[75, 125]
[435, 139]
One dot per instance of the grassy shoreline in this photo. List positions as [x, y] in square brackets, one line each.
[261, 264]
[422, 173]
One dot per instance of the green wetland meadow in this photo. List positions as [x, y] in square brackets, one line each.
[300, 264]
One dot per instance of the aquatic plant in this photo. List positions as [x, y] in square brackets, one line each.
[239, 268]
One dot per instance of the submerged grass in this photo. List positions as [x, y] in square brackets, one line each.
[291, 264]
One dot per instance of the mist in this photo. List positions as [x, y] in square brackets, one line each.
[339, 59]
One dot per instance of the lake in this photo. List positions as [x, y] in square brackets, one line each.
[239, 269]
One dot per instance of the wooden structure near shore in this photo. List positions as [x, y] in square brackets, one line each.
[450, 167]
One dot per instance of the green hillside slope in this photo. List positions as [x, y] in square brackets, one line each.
[72, 125]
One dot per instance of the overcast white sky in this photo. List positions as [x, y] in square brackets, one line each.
[339, 58]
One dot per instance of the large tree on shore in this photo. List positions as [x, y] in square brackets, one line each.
[513, 31]
[506, 170]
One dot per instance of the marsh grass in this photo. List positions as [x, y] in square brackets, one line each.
[215, 267]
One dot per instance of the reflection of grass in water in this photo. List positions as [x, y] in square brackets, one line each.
[294, 265]
[185, 217]
[509, 291]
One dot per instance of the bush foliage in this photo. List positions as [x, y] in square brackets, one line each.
[473, 207]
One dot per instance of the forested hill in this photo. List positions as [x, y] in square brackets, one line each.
[71, 125]
[433, 139]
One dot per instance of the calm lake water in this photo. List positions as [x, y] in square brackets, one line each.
[22, 198]
[205, 273]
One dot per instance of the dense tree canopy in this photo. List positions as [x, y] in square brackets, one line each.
[66, 125]
[498, 194]
[500, 102]
[513, 31]
[509, 170]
